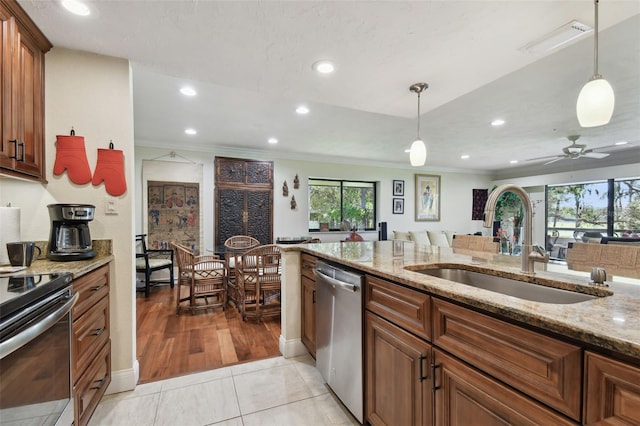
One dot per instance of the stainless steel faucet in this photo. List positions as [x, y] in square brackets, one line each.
[528, 253]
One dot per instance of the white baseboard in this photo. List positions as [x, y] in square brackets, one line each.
[124, 380]
[291, 348]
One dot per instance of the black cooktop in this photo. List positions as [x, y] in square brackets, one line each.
[19, 291]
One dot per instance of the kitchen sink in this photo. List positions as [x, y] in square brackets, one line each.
[508, 286]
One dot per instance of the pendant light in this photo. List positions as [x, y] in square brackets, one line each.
[418, 152]
[596, 100]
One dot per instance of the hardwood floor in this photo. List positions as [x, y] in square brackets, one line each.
[170, 345]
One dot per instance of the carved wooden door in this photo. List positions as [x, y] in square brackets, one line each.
[243, 199]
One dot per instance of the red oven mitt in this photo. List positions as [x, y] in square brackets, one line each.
[72, 157]
[110, 169]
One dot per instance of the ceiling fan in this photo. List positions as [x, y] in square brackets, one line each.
[574, 151]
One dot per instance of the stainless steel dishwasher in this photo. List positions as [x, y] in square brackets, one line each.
[339, 333]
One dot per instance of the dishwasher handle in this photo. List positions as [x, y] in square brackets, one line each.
[337, 283]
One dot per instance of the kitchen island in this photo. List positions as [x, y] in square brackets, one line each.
[556, 363]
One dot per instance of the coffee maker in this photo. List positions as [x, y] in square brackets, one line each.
[70, 238]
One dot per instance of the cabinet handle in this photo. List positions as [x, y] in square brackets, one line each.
[314, 296]
[98, 331]
[16, 150]
[433, 377]
[421, 361]
[100, 384]
[22, 150]
[98, 287]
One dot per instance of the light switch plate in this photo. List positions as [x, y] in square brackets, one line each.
[110, 205]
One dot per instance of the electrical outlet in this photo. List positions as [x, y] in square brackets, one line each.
[110, 205]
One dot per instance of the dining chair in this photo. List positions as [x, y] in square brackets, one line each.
[258, 276]
[203, 277]
[236, 246]
[149, 261]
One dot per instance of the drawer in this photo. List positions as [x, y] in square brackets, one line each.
[308, 266]
[91, 288]
[90, 387]
[407, 308]
[90, 333]
[542, 367]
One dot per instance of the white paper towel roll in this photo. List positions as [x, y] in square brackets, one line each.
[9, 230]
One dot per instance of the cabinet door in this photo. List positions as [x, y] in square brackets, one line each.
[241, 172]
[259, 212]
[244, 212]
[464, 396]
[397, 389]
[308, 314]
[22, 94]
[230, 205]
[612, 392]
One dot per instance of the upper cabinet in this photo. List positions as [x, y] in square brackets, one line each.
[241, 172]
[22, 152]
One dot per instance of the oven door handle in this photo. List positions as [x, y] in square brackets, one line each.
[19, 340]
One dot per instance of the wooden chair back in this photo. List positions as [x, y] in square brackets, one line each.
[203, 276]
[259, 274]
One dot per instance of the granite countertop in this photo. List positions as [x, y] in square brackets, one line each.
[77, 268]
[610, 322]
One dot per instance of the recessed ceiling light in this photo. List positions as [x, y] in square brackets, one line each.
[621, 143]
[324, 67]
[190, 131]
[272, 140]
[302, 110]
[188, 91]
[464, 157]
[513, 162]
[497, 122]
[76, 7]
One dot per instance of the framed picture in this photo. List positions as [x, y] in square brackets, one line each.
[398, 188]
[428, 198]
[398, 206]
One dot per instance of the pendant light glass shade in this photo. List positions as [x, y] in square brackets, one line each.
[418, 153]
[596, 99]
[595, 103]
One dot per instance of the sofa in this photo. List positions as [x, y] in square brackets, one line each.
[426, 238]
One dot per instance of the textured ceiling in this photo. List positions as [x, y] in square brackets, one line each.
[250, 62]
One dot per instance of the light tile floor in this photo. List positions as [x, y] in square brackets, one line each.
[275, 391]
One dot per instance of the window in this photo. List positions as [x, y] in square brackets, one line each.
[341, 205]
[610, 208]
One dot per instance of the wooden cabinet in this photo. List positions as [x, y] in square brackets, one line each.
[242, 172]
[611, 392]
[91, 346]
[397, 375]
[405, 307]
[429, 361]
[22, 148]
[542, 367]
[464, 396]
[308, 308]
[243, 199]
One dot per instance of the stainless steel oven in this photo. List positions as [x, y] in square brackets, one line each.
[35, 348]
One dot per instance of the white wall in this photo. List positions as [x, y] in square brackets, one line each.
[456, 189]
[93, 94]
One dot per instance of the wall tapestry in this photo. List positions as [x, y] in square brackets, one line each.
[173, 214]
[480, 197]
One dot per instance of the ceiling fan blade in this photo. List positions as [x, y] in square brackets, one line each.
[555, 159]
[547, 157]
[597, 155]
